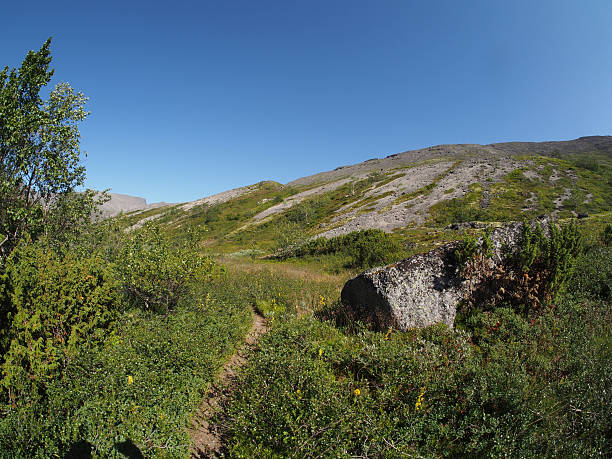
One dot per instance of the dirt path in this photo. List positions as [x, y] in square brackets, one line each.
[206, 438]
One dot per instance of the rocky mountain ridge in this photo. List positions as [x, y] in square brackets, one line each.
[429, 187]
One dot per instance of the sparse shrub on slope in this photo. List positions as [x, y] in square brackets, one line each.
[606, 235]
[155, 274]
[364, 249]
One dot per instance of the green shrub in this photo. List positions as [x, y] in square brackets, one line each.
[503, 386]
[592, 276]
[54, 306]
[139, 388]
[287, 236]
[468, 248]
[363, 249]
[528, 278]
[587, 162]
[307, 211]
[155, 274]
[372, 248]
[550, 258]
[606, 235]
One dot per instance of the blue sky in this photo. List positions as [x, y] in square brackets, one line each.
[193, 98]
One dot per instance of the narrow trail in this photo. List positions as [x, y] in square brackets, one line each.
[206, 438]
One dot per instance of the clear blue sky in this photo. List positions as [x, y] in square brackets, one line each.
[193, 98]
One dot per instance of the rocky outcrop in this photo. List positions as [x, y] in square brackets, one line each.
[416, 292]
[421, 290]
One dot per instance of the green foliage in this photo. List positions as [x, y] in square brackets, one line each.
[306, 212]
[467, 249]
[606, 235]
[155, 274]
[171, 361]
[288, 236]
[592, 274]
[527, 278]
[55, 306]
[71, 216]
[587, 162]
[39, 149]
[458, 210]
[364, 249]
[549, 258]
[523, 390]
[369, 248]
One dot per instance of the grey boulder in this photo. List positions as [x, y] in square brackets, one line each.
[421, 290]
[415, 292]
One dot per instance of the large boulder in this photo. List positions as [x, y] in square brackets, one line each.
[421, 290]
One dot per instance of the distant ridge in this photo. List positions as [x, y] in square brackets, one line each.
[124, 203]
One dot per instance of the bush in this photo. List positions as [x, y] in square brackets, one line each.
[364, 249]
[372, 248]
[606, 235]
[549, 259]
[528, 278]
[139, 388]
[307, 212]
[53, 307]
[155, 275]
[587, 162]
[593, 274]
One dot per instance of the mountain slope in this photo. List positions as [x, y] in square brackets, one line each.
[430, 187]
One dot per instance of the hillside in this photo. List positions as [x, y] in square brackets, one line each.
[432, 187]
[220, 329]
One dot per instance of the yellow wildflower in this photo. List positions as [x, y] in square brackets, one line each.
[356, 392]
[130, 379]
[419, 401]
[320, 352]
[388, 333]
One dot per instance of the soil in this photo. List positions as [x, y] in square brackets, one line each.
[206, 437]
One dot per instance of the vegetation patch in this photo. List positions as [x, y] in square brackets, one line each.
[502, 384]
[362, 249]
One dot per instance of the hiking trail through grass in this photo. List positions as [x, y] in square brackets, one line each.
[206, 437]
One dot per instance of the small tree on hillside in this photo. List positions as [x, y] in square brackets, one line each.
[39, 149]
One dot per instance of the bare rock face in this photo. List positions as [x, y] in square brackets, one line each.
[421, 290]
[416, 292]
